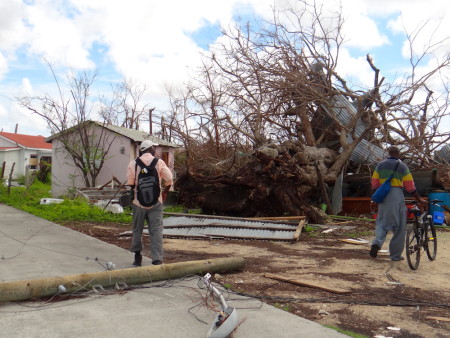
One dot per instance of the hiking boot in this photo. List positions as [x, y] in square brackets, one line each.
[157, 262]
[374, 250]
[137, 259]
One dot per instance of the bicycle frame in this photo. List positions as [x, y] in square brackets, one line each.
[422, 235]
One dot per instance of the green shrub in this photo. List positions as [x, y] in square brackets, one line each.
[69, 210]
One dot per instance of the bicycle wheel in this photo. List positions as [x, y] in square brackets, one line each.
[413, 247]
[431, 241]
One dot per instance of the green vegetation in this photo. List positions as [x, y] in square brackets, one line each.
[284, 307]
[346, 332]
[181, 209]
[227, 286]
[69, 210]
[360, 234]
[312, 230]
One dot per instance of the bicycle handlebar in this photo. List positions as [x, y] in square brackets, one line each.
[434, 202]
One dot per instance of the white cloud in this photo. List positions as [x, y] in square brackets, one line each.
[12, 29]
[149, 40]
[361, 31]
[3, 65]
[57, 37]
[355, 70]
[26, 88]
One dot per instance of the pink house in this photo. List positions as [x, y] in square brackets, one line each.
[121, 145]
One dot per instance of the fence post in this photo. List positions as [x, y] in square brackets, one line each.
[10, 178]
[3, 170]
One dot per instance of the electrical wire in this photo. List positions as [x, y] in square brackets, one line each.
[25, 243]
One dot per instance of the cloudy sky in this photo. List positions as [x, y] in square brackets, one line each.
[157, 43]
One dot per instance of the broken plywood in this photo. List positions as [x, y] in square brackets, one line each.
[307, 284]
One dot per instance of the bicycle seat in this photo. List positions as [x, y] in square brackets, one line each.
[435, 201]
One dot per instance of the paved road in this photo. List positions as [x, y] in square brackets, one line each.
[33, 248]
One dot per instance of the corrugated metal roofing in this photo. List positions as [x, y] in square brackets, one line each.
[344, 111]
[443, 154]
[133, 134]
[367, 153]
[193, 227]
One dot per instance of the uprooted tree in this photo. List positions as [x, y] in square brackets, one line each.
[269, 124]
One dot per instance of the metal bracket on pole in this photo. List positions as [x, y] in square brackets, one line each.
[226, 320]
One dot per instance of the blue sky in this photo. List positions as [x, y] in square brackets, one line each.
[157, 43]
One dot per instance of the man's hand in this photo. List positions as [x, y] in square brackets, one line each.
[422, 202]
[164, 195]
[165, 192]
[373, 206]
[131, 193]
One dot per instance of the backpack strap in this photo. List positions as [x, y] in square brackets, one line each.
[396, 166]
[395, 170]
[142, 164]
[153, 164]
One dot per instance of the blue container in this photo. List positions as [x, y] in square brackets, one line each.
[438, 218]
[443, 196]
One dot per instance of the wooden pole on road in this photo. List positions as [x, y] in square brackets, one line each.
[45, 287]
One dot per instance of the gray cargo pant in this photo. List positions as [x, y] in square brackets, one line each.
[154, 218]
[392, 217]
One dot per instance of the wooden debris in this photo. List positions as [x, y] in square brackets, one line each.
[328, 230]
[441, 319]
[307, 284]
[297, 233]
[281, 218]
[354, 241]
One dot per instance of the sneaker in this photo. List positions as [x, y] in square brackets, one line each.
[137, 259]
[157, 262]
[374, 250]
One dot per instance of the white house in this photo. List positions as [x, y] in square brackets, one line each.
[26, 151]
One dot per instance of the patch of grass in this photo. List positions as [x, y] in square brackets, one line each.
[69, 210]
[284, 307]
[346, 332]
[227, 286]
[181, 209]
[359, 234]
[312, 231]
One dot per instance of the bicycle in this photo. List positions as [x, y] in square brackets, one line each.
[422, 235]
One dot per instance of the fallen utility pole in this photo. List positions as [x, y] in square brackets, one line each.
[45, 287]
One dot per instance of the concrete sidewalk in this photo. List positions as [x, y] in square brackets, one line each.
[32, 248]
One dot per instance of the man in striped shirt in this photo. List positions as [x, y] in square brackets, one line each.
[392, 210]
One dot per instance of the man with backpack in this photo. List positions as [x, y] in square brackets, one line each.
[392, 210]
[145, 175]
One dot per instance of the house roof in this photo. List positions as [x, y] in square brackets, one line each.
[27, 141]
[133, 134]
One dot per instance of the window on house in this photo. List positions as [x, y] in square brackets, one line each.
[95, 157]
[33, 161]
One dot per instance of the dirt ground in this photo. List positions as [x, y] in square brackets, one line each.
[386, 298]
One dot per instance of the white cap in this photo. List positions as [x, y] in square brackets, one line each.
[147, 144]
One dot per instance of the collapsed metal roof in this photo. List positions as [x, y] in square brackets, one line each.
[342, 110]
[222, 227]
[196, 227]
[443, 155]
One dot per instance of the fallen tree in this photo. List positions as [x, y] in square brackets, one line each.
[277, 180]
[269, 125]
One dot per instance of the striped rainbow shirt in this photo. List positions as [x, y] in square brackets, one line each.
[402, 177]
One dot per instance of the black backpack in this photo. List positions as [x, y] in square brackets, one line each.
[148, 189]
